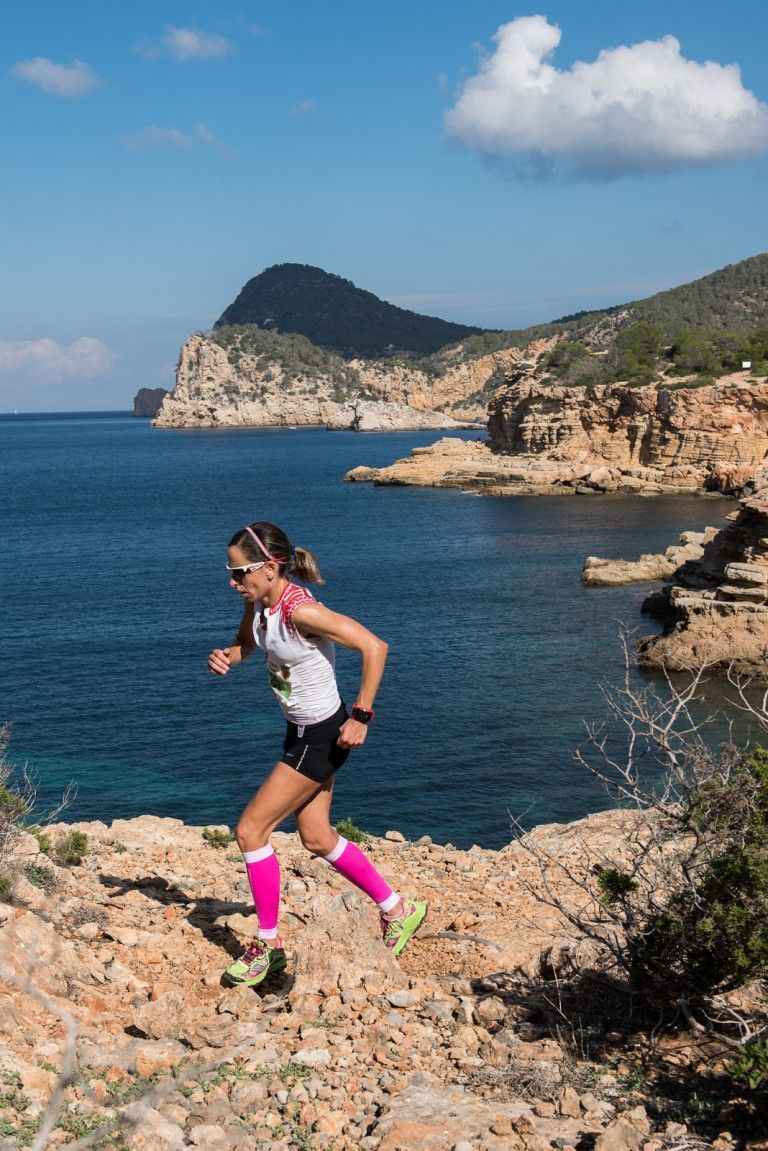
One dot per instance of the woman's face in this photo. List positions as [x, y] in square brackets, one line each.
[253, 583]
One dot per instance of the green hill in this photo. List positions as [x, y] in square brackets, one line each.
[334, 314]
[734, 297]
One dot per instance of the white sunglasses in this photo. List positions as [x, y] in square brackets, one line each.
[238, 574]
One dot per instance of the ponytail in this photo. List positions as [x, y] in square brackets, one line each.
[304, 566]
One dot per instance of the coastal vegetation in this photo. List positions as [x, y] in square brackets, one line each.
[298, 330]
[677, 917]
[643, 354]
[219, 837]
[334, 314]
[654, 1032]
[351, 831]
[17, 802]
[735, 296]
[253, 349]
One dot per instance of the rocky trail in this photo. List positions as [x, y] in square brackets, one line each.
[349, 1048]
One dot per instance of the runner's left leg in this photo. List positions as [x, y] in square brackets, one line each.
[317, 835]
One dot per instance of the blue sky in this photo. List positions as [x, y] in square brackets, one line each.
[466, 160]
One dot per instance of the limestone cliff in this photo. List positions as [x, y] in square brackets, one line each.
[230, 382]
[552, 439]
[213, 390]
[685, 561]
[624, 426]
[460, 384]
[715, 603]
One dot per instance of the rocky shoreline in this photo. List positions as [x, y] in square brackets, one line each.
[347, 1049]
[472, 465]
[715, 607]
[612, 439]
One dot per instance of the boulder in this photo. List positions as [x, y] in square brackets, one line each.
[337, 950]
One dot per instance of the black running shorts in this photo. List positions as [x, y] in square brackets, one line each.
[316, 753]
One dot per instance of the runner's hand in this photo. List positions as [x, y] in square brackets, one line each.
[352, 734]
[218, 661]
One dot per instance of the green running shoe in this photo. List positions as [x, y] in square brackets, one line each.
[260, 960]
[397, 932]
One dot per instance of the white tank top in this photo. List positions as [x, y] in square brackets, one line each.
[301, 671]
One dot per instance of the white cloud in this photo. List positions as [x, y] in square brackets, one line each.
[47, 360]
[153, 137]
[636, 108]
[187, 44]
[77, 80]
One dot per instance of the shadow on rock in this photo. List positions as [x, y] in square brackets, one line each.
[200, 913]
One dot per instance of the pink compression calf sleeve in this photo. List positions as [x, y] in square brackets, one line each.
[349, 860]
[264, 878]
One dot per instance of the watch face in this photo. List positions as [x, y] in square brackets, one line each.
[362, 715]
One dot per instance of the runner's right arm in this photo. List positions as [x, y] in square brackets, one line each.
[222, 659]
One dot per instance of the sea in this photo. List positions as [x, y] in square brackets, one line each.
[114, 590]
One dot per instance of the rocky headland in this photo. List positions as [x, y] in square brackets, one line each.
[612, 438]
[349, 1049]
[233, 385]
[715, 605]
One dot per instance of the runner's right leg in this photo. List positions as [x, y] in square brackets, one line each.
[400, 918]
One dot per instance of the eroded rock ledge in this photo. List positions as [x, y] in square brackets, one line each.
[716, 606]
[349, 1048]
[553, 440]
[685, 561]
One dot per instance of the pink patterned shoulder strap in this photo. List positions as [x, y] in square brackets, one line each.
[293, 596]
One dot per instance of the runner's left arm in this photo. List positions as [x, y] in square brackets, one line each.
[313, 619]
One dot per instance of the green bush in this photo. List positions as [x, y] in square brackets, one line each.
[638, 348]
[351, 832]
[40, 876]
[692, 351]
[13, 807]
[614, 885]
[217, 836]
[71, 849]
[712, 936]
[751, 1067]
[696, 382]
[566, 359]
[17, 800]
[679, 914]
[44, 841]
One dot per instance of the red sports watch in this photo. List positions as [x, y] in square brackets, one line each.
[362, 714]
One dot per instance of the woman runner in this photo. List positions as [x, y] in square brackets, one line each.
[297, 636]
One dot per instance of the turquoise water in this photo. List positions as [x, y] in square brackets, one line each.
[114, 591]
